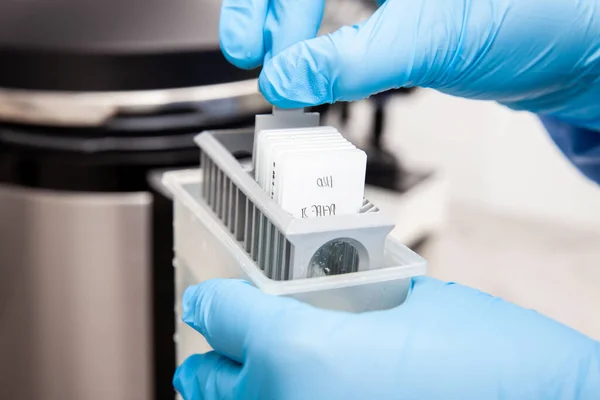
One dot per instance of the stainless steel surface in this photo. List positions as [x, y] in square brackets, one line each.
[96, 108]
[110, 25]
[74, 296]
[138, 25]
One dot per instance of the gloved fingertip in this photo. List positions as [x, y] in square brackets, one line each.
[206, 376]
[197, 299]
[184, 380]
[179, 381]
[188, 296]
[240, 43]
[241, 56]
[189, 303]
[296, 77]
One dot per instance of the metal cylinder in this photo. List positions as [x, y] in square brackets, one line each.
[75, 295]
[86, 276]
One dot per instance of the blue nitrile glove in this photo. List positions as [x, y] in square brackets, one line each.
[581, 146]
[446, 342]
[538, 55]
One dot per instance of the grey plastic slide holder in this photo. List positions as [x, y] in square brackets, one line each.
[282, 246]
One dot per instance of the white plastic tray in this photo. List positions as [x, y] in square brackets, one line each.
[204, 250]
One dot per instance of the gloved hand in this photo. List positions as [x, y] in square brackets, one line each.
[537, 55]
[446, 342]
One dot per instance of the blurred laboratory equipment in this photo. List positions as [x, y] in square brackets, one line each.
[94, 97]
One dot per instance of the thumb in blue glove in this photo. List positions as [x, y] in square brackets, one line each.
[537, 55]
[446, 342]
